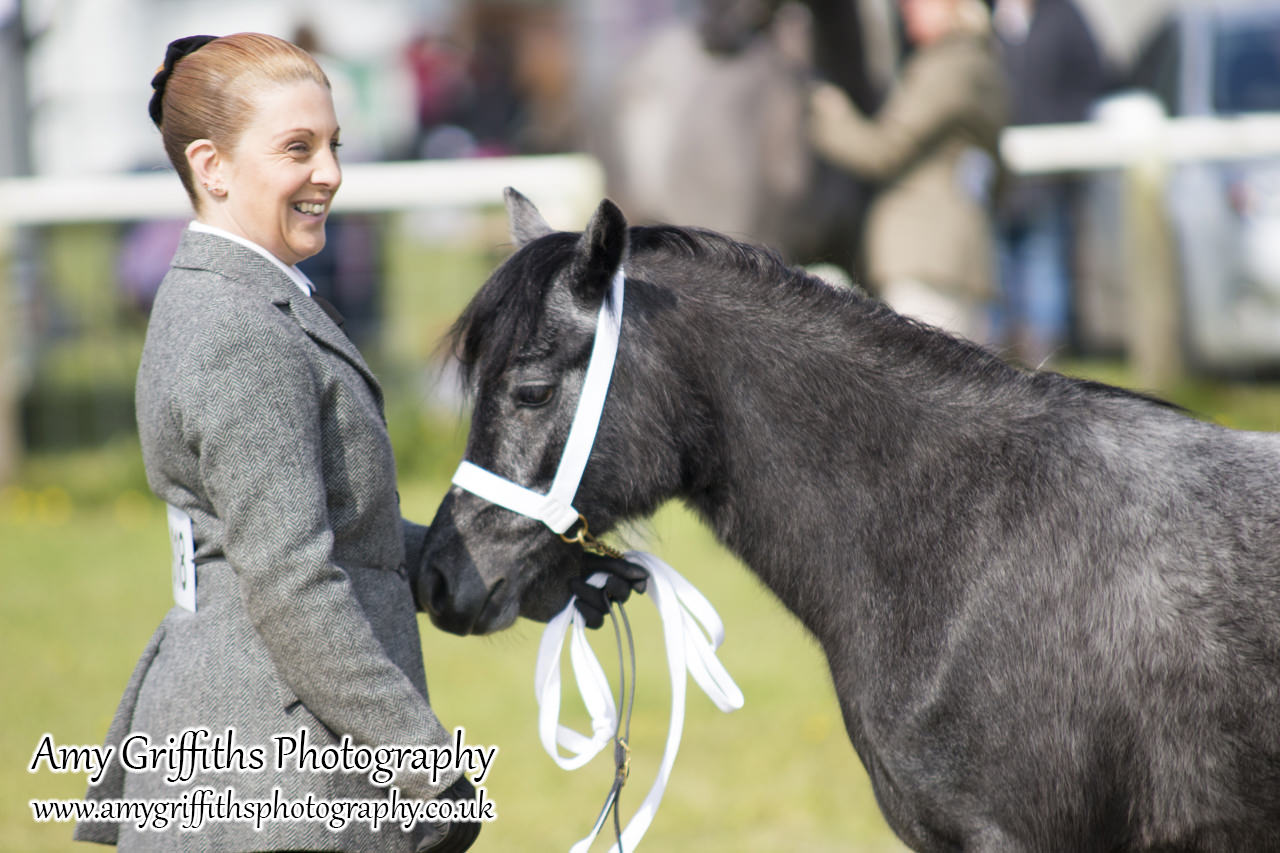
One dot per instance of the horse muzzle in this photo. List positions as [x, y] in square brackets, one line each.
[483, 567]
[452, 588]
[459, 602]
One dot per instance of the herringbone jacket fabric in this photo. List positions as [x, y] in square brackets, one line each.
[260, 419]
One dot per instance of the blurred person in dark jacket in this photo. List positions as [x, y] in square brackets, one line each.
[1056, 72]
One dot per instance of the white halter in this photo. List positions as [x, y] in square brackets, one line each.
[692, 628]
[555, 508]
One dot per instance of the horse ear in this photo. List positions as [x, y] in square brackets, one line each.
[525, 221]
[600, 252]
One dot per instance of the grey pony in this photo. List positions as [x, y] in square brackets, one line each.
[1051, 607]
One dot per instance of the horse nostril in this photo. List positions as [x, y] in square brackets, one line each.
[455, 599]
[478, 624]
[434, 596]
[433, 592]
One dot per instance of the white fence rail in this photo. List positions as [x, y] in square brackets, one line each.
[1133, 138]
[563, 185]
[570, 185]
[1121, 143]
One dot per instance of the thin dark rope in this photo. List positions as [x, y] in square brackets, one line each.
[622, 736]
[622, 733]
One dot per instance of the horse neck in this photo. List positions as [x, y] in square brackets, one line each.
[819, 410]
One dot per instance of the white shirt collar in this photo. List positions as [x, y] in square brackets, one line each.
[295, 275]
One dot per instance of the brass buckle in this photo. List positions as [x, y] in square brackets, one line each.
[622, 759]
[589, 543]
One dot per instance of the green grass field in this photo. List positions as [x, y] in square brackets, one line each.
[85, 563]
[85, 587]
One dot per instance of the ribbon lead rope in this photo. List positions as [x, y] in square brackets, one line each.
[693, 631]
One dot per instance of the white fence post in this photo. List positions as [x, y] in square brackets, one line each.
[14, 160]
[1154, 305]
[10, 420]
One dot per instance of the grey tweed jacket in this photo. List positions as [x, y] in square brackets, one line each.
[260, 419]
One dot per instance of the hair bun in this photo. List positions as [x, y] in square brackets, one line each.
[178, 48]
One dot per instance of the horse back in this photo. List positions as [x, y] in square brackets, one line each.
[1097, 665]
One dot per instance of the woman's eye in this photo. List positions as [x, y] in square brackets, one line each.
[533, 396]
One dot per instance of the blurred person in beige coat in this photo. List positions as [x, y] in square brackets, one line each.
[933, 149]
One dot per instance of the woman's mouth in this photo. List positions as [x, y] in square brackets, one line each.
[310, 208]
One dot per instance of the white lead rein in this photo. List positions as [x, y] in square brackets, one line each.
[693, 631]
[691, 626]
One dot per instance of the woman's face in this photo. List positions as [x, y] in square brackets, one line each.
[282, 174]
[927, 21]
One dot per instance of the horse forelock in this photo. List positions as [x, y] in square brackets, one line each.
[504, 314]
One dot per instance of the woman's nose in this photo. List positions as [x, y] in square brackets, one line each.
[327, 172]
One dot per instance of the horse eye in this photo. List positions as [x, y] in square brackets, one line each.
[533, 396]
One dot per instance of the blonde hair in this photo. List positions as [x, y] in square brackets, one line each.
[210, 93]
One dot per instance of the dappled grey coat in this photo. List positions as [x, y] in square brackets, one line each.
[260, 419]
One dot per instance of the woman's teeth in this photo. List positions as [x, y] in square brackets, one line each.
[309, 208]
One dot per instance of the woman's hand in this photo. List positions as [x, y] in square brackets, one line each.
[593, 602]
[456, 836]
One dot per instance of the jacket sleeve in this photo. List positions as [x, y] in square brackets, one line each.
[415, 543]
[254, 419]
[932, 97]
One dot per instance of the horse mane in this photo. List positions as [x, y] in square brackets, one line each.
[788, 289]
[723, 253]
[505, 313]
[752, 264]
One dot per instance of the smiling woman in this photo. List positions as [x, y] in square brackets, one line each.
[263, 430]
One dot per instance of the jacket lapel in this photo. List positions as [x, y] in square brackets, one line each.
[316, 323]
[215, 254]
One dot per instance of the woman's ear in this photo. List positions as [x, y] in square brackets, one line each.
[207, 167]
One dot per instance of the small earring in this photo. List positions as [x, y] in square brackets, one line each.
[215, 190]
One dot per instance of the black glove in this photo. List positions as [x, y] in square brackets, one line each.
[455, 836]
[592, 601]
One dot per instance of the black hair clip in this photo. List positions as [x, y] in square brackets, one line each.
[178, 48]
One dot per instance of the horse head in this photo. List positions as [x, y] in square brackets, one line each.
[524, 343]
